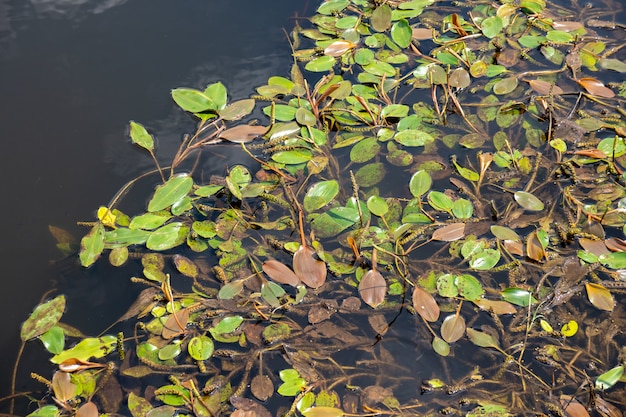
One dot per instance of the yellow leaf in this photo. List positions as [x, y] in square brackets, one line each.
[106, 216]
[545, 326]
[569, 329]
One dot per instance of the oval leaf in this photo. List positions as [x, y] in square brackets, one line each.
[425, 305]
[450, 232]
[373, 288]
[528, 201]
[311, 271]
[600, 297]
[453, 328]
[173, 191]
[44, 317]
[140, 136]
[280, 273]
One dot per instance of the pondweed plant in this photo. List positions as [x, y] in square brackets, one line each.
[446, 176]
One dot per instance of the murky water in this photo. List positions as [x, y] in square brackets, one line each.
[72, 74]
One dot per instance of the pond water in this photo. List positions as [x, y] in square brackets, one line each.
[72, 74]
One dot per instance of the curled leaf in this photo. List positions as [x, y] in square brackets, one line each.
[311, 271]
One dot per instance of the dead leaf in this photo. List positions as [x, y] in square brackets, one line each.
[534, 250]
[62, 386]
[615, 244]
[262, 387]
[280, 273]
[544, 87]
[243, 133]
[339, 48]
[450, 232]
[311, 271]
[600, 297]
[422, 34]
[373, 288]
[88, 409]
[597, 247]
[171, 328]
[425, 304]
[591, 153]
[497, 306]
[595, 87]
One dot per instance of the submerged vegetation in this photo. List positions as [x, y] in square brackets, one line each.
[430, 222]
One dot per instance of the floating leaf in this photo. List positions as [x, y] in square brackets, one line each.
[140, 136]
[92, 245]
[62, 386]
[193, 101]
[377, 205]
[595, 87]
[544, 88]
[168, 236]
[453, 328]
[504, 233]
[485, 259]
[320, 194]
[482, 339]
[534, 248]
[323, 412]
[237, 109]
[200, 347]
[320, 64]
[609, 378]
[401, 33]
[381, 18]
[53, 340]
[528, 201]
[420, 183]
[505, 86]
[600, 297]
[172, 326]
[413, 137]
[138, 406]
[292, 384]
[518, 297]
[450, 232]
[91, 347]
[570, 328]
[280, 273]
[243, 133]
[43, 318]
[425, 305]
[171, 192]
[272, 293]
[370, 174]
[339, 48]
[311, 271]
[441, 347]
[373, 288]
[497, 306]
[462, 209]
[440, 201]
[262, 387]
[89, 409]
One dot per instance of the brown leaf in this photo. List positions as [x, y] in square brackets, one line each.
[567, 26]
[311, 271]
[262, 387]
[450, 232]
[497, 306]
[88, 409]
[615, 244]
[597, 247]
[600, 297]
[339, 48]
[595, 87]
[74, 364]
[572, 407]
[62, 386]
[453, 328]
[592, 153]
[425, 305]
[379, 323]
[515, 248]
[422, 34]
[373, 288]
[534, 250]
[544, 88]
[172, 328]
[243, 133]
[280, 273]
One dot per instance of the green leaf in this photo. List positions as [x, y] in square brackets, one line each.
[485, 260]
[169, 351]
[528, 201]
[518, 297]
[613, 260]
[377, 205]
[370, 174]
[292, 157]
[45, 411]
[380, 68]
[272, 293]
[92, 245]
[609, 378]
[174, 190]
[237, 110]
[168, 236]
[441, 347]
[54, 340]
[43, 318]
[292, 385]
[320, 194]
[305, 117]
[395, 110]
[420, 183]
[491, 26]
[123, 236]
[227, 325]
[218, 94]
[149, 221]
[140, 136]
[482, 339]
[401, 33]
[332, 6]
[462, 209]
[364, 150]
[91, 347]
[413, 137]
[193, 101]
[381, 18]
[137, 405]
[440, 201]
[320, 64]
[200, 347]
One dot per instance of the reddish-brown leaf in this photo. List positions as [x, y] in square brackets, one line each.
[567, 26]
[572, 407]
[596, 247]
[544, 88]
[600, 297]
[497, 306]
[450, 232]
[453, 328]
[615, 244]
[73, 364]
[373, 288]
[422, 34]
[339, 48]
[62, 386]
[534, 250]
[311, 271]
[262, 387]
[88, 409]
[595, 87]
[591, 153]
[425, 304]
[172, 326]
[243, 133]
[514, 248]
[280, 273]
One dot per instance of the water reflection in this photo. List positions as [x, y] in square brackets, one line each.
[72, 75]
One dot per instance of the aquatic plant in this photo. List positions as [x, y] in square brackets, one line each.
[460, 158]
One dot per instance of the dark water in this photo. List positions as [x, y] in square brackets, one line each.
[72, 74]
